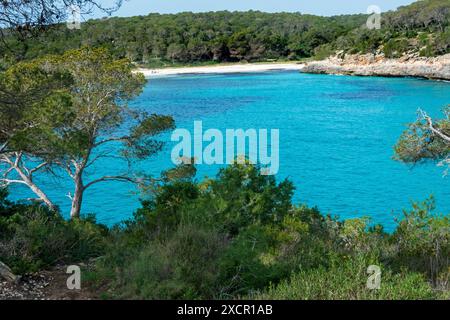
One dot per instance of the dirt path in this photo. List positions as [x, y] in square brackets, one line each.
[45, 285]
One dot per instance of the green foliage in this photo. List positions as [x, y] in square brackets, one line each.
[163, 212]
[394, 48]
[30, 94]
[180, 266]
[421, 142]
[32, 237]
[192, 38]
[69, 126]
[241, 196]
[239, 235]
[324, 51]
[189, 38]
[345, 279]
[423, 242]
[425, 15]
[421, 27]
[236, 236]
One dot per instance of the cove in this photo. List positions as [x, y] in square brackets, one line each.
[336, 135]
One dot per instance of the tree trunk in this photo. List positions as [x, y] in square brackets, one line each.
[77, 199]
[6, 273]
[42, 196]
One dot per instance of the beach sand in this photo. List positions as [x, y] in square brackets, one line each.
[232, 68]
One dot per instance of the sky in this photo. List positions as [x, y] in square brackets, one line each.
[317, 7]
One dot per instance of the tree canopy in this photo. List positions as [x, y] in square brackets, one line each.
[426, 139]
[186, 38]
[89, 119]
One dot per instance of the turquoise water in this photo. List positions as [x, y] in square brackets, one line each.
[336, 138]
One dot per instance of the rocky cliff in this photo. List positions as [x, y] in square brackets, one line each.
[377, 65]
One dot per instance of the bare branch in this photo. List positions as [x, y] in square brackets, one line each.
[112, 178]
[104, 154]
[3, 147]
[31, 16]
[7, 182]
[124, 138]
[24, 175]
[37, 168]
[4, 158]
[431, 126]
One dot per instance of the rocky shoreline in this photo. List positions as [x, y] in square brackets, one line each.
[437, 68]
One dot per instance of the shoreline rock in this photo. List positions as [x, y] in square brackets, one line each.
[437, 68]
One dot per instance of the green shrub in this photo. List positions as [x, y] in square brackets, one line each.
[324, 51]
[241, 196]
[422, 239]
[182, 266]
[239, 234]
[253, 260]
[163, 213]
[32, 237]
[346, 279]
[395, 48]
[442, 42]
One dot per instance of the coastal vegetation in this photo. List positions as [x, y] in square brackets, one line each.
[422, 28]
[193, 38]
[426, 140]
[238, 235]
[70, 126]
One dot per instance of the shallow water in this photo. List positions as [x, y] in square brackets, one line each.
[336, 138]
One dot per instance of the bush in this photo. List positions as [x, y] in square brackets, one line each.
[32, 237]
[246, 217]
[422, 240]
[324, 51]
[182, 266]
[395, 48]
[241, 196]
[346, 279]
[239, 234]
[162, 214]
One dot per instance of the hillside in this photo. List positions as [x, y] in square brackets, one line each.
[188, 38]
[422, 28]
[191, 38]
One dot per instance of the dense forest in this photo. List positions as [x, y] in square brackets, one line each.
[188, 38]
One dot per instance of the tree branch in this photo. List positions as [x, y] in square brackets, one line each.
[112, 178]
[124, 138]
[3, 147]
[432, 128]
[7, 182]
[37, 168]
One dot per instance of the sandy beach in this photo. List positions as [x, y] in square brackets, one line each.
[232, 68]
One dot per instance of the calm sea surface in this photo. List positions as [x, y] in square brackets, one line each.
[336, 138]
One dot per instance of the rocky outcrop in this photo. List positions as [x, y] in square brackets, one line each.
[409, 65]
